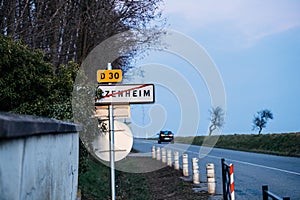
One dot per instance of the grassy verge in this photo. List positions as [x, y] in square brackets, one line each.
[94, 183]
[286, 144]
[162, 183]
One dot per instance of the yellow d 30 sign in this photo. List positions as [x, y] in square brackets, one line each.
[109, 76]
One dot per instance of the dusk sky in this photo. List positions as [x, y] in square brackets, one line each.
[255, 46]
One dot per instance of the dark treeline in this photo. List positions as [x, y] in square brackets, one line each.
[67, 30]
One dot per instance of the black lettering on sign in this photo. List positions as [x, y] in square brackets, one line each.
[134, 93]
[146, 93]
[117, 75]
[120, 94]
[105, 93]
[112, 75]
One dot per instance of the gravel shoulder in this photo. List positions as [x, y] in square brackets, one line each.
[167, 183]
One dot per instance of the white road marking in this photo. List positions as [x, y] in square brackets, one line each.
[237, 161]
[266, 167]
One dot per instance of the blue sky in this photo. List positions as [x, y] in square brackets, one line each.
[255, 46]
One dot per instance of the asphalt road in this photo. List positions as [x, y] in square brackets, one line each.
[251, 170]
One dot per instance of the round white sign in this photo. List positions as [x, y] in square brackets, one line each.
[123, 142]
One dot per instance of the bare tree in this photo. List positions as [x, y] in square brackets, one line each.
[260, 119]
[216, 119]
[67, 30]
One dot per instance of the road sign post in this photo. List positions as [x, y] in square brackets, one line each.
[119, 95]
[112, 146]
[112, 151]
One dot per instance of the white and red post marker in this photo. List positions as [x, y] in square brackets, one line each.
[231, 182]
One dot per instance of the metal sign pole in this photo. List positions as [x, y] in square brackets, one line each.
[112, 145]
[135, 93]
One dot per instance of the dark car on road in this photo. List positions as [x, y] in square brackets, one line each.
[165, 136]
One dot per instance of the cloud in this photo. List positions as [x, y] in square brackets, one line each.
[251, 20]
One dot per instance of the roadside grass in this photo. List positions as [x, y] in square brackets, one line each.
[132, 186]
[162, 183]
[94, 183]
[286, 144]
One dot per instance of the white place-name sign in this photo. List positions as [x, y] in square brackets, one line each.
[126, 94]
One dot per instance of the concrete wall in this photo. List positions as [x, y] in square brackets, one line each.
[38, 158]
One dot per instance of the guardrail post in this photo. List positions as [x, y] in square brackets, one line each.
[224, 178]
[211, 183]
[176, 160]
[158, 153]
[185, 165]
[195, 171]
[163, 155]
[153, 152]
[169, 157]
[264, 192]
